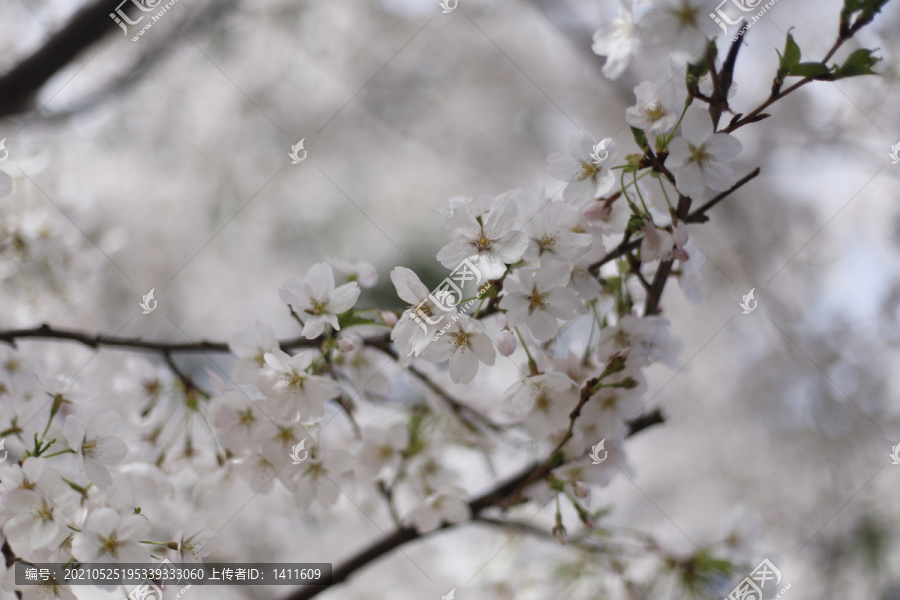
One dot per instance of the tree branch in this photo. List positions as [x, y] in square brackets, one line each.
[405, 535]
[19, 86]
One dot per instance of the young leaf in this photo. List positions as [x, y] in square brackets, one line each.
[858, 63]
[640, 138]
[787, 61]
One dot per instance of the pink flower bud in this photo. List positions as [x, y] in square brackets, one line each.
[582, 490]
[387, 317]
[346, 344]
[596, 211]
[559, 532]
[506, 342]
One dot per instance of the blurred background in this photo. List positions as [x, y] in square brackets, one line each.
[163, 163]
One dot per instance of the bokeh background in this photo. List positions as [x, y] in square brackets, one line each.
[164, 164]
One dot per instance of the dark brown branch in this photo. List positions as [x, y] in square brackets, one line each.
[698, 215]
[20, 85]
[407, 534]
[654, 294]
[45, 331]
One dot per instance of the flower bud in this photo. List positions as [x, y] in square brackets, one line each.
[506, 342]
[346, 344]
[387, 317]
[582, 490]
[559, 532]
[596, 211]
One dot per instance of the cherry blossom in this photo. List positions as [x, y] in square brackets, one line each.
[314, 479]
[447, 504]
[682, 26]
[521, 397]
[585, 168]
[110, 537]
[540, 298]
[38, 518]
[380, 454]
[292, 391]
[657, 243]
[96, 450]
[316, 299]
[465, 344]
[490, 243]
[363, 273]
[411, 333]
[557, 232]
[702, 158]
[196, 541]
[657, 109]
[250, 347]
[617, 41]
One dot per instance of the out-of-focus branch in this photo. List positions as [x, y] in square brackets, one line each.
[402, 536]
[20, 85]
[45, 331]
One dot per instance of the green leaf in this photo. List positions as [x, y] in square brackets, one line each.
[858, 63]
[697, 70]
[813, 70]
[662, 144]
[791, 56]
[640, 138]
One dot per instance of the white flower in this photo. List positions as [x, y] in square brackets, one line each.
[315, 296]
[237, 419]
[490, 243]
[42, 590]
[588, 176]
[109, 537]
[617, 41]
[96, 449]
[37, 516]
[464, 344]
[538, 299]
[196, 541]
[448, 504]
[583, 469]
[701, 158]
[582, 281]
[645, 338]
[657, 243]
[313, 480]
[380, 454]
[657, 110]
[557, 231]
[250, 346]
[411, 333]
[521, 397]
[682, 26]
[292, 391]
[363, 273]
